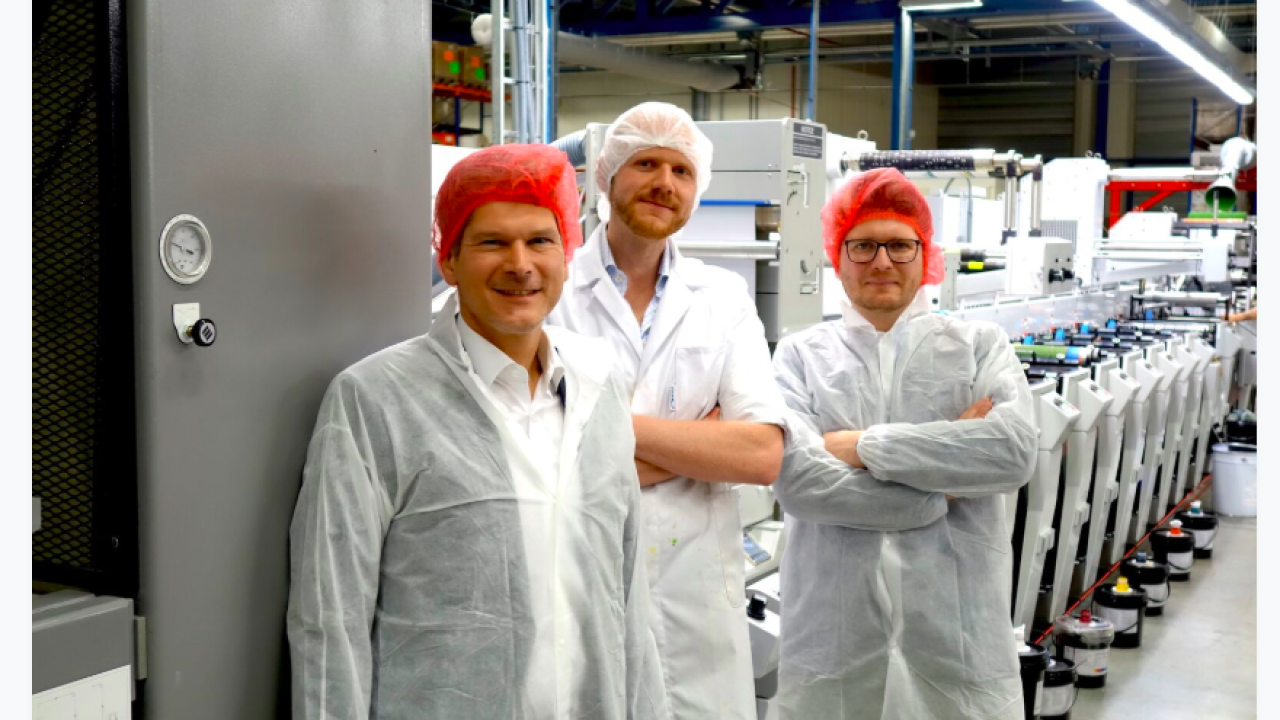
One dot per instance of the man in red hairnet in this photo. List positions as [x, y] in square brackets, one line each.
[909, 427]
[464, 545]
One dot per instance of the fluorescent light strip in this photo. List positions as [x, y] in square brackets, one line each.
[925, 6]
[1179, 48]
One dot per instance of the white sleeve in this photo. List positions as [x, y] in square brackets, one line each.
[335, 551]
[748, 391]
[818, 487]
[965, 458]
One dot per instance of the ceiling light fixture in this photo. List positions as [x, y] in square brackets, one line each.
[938, 5]
[1166, 38]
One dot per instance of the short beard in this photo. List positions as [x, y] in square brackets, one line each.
[878, 303]
[644, 228]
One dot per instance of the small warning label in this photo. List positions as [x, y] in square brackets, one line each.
[807, 141]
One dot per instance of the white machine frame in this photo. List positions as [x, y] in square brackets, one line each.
[1092, 401]
[1055, 418]
[1106, 487]
[1136, 423]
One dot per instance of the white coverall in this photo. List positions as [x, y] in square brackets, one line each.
[896, 600]
[409, 586]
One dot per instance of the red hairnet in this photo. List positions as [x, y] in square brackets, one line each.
[530, 174]
[881, 194]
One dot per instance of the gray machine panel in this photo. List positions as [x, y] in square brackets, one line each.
[745, 185]
[782, 162]
[753, 145]
[301, 137]
[75, 635]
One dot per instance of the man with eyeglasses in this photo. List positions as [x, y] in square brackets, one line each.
[907, 428]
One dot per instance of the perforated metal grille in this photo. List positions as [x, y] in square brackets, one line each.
[1065, 229]
[66, 220]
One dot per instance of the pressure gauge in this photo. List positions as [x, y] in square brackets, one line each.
[185, 249]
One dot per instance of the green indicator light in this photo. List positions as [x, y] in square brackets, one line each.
[454, 68]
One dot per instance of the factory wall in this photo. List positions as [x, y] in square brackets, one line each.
[1008, 104]
[849, 100]
[1164, 90]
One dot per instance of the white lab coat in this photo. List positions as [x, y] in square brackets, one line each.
[706, 348]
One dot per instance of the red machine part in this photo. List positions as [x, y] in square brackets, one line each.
[1247, 180]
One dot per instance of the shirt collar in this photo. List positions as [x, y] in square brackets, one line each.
[618, 276]
[854, 319]
[488, 362]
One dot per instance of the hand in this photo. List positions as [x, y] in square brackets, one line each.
[1250, 314]
[651, 474]
[843, 444]
[951, 497]
[978, 410]
[714, 415]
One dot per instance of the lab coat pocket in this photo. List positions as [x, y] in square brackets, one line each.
[728, 529]
[696, 385]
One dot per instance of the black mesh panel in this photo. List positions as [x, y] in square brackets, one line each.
[72, 369]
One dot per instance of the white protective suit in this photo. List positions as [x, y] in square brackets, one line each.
[409, 594]
[707, 348]
[897, 601]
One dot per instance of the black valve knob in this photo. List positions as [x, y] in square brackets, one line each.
[203, 333]
[1055, 276]
[755, 608]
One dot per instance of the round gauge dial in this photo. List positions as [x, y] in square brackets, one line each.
[186, 249]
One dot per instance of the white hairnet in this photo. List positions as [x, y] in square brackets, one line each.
[654, 124]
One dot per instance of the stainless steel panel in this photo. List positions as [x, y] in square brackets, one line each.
[299, 133]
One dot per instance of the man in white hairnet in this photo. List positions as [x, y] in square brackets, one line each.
[465, 542]
[909, 427]
[706, 411]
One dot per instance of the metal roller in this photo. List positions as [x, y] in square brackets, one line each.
[945, 163]
[1183, 299]
[922, 160]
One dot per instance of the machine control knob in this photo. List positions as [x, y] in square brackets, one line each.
[1056, 275]
[203, 333]
[755, 608]
[1069, 274]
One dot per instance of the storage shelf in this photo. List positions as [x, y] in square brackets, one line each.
[459, 91]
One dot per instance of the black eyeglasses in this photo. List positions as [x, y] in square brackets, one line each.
[864, 251]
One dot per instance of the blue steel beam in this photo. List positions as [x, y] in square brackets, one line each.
[904, 64]
[811, 108]
[1102, 110]
[837, 12]
[755, 20]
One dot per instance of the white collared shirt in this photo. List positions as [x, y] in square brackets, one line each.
[536, 426]
[539, 421]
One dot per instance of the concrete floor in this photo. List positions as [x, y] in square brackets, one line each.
[1199, 660]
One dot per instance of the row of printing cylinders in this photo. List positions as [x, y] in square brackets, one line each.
[1123, 433]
